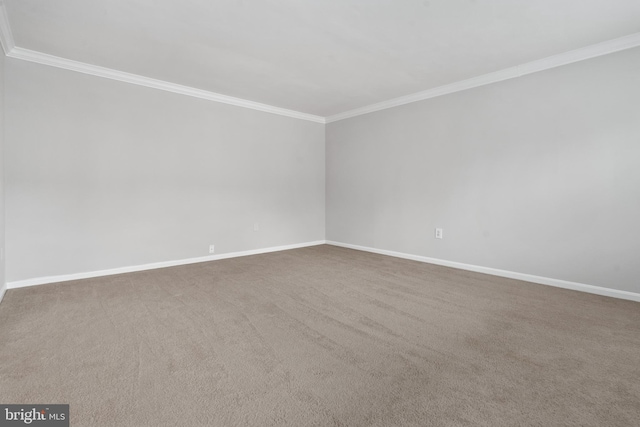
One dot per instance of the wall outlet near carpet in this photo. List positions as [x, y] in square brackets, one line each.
[438, 233]
[212, 249]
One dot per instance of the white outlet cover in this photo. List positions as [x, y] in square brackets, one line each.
[438, 233]
[212, 249]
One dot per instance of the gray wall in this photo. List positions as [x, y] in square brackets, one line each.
[102, 174]
[537, 175]
[2, 130]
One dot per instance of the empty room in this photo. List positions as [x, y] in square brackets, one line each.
[320, 213]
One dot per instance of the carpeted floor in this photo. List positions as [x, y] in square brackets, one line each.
[321, 336]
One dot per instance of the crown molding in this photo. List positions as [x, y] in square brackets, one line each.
[108, 73]
[10, 49]
[599, 49]
[6, 37]
[565, 58]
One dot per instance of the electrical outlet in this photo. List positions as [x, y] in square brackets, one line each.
[212, 249]
[255, 226]
[438, 233]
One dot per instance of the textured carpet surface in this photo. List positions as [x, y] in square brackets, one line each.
[321, 336]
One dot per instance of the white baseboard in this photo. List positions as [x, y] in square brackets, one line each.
[487, 270]
[503, 273]
[152, 266]
[3, 289]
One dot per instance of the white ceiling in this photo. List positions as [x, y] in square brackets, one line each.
[321, 57]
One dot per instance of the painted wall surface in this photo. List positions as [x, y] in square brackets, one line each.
[102, 174]
[2, 131]
[536, 175]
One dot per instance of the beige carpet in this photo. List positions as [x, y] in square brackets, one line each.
[321, 336]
